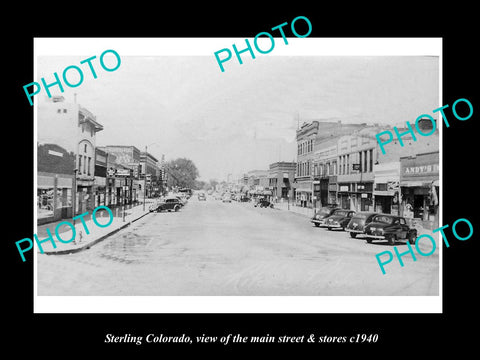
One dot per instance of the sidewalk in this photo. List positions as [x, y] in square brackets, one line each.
[307, 212]
[95, 235]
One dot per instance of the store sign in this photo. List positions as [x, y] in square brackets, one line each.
[344, 188]
[423, 169]
[123, 172]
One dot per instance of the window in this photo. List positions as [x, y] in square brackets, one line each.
[64, 111]
[85, 148]
[360, 160]
[84, 163]
[348, 164]
[89, 163]
[79, 164]
[365, 168]
[371, 160]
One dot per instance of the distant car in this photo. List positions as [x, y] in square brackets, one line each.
[168, 204]
[339, 219]
[202, 197]
[357, 224]
[263, 203]
[322, 214]
[227, 198]
[389, 227]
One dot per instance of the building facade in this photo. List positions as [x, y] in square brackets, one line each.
[306, 137]
[356, 156]
[123, 174]
[281, 177]
[151, 170]
[72, 128]
[419, 184]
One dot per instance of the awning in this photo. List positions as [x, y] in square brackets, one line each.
[384, 192]
[422, 184]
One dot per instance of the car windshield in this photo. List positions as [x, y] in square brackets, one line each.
[324, 211]
[341, 212]
[383, 219]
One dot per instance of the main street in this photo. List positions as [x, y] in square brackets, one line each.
[216, 248]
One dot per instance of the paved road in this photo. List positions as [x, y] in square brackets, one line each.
[215, 248]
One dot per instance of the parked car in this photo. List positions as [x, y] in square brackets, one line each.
[168, 204]
[263, 203]
[201, 197]
[389, 227]
[339, 219]
[227, 198]
[356, 225]
[320, 216]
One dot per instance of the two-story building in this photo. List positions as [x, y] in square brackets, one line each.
[73, 128]
[356, 155]
[151, 170]
[281, 177]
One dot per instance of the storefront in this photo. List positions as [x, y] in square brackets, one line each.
[332, 191]
[54, 197]
[419, 183]
[303, 194]
[344, 195]
[355, 196]
[387, 188]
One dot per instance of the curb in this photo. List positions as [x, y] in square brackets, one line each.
[93, 242]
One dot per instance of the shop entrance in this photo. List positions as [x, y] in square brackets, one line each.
[418, 206]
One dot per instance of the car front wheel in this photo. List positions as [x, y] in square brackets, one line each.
[391, 239]
[353, 235]
[412, 237]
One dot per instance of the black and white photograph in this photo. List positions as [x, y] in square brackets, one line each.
[218, 179]
[266, 179]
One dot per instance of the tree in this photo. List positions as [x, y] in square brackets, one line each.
[181, 173]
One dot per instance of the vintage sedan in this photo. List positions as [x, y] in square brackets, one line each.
[263, 203]
[356, 226]
[168, 204]
[389, 227]
[322, 214]
[339, 219]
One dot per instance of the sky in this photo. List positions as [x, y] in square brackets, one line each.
[246, 117]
